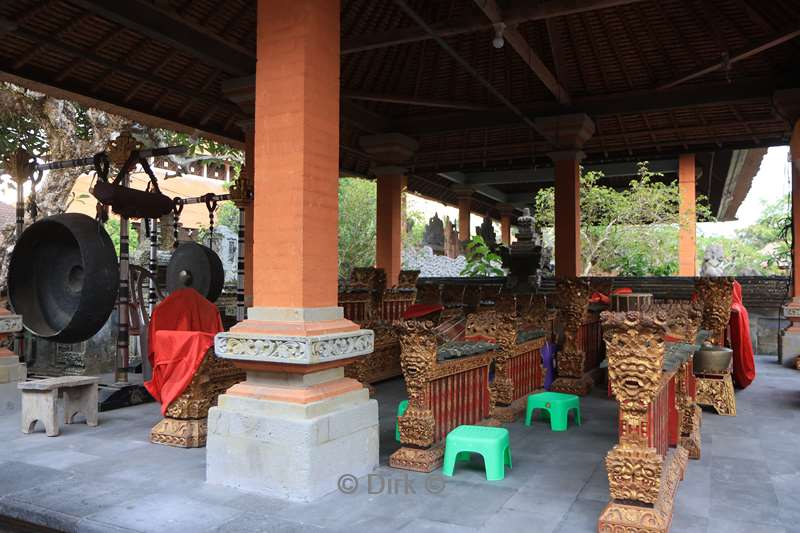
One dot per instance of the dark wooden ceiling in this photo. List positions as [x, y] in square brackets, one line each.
[659, 77]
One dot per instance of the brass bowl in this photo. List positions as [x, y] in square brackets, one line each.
[712, 359]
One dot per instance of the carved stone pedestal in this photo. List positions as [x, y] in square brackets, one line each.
[619, 516]
[716, 390]
[11, 370]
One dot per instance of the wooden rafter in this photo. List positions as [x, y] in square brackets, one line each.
[541, 11]
[397, 99]
[739, 56]
[520, 45]
[162, 26]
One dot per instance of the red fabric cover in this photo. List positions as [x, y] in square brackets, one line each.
[744, 368]
[479, 338]
[602, 298]
[181, 331]
[420, 310]
[179, 355]
[599, 297]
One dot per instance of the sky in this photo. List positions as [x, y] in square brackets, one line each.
[772, 181]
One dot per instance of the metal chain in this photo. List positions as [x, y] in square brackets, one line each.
[177, 207]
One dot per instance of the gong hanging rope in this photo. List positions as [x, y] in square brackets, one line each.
[177, 207]
[211, 205]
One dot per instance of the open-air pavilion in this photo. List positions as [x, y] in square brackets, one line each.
[477, 104]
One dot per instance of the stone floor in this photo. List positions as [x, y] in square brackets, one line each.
[110, 478]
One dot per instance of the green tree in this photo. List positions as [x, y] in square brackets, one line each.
[112, 227]
[771, 235]
[614, 221]
[416, 220]
[357, 205]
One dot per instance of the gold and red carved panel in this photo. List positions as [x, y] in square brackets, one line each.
[441, 396]
[716, 295]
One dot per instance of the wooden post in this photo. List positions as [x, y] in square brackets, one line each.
[568, 213]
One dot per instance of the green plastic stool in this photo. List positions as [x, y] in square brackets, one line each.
[492, 443]
[557, 405]
[401, 410]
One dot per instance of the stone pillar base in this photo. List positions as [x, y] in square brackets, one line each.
[11, 370]
[790, 347]
[289, 450]
[569, 385]
[656, 518]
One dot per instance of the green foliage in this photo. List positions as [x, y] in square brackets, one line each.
[771, 235]
[481, 260]
[227, 214]
[204, 150]
[416, 220]
[617, 225]
[357, 205]
[112, 227]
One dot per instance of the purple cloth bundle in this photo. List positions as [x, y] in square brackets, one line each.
[548, 357]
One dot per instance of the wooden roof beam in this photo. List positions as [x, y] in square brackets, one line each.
[628, 102]
[166, 27]
[541, 11]
[740, 56]
[396, 99]
[520, 45]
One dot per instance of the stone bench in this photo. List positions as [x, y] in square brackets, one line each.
[39, 401]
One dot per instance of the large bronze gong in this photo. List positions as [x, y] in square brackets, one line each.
[196, 266]
[63, 277]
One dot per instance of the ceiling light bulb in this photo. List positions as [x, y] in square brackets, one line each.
[498, 40]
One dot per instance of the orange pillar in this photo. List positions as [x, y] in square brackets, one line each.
[389, 222]
[464, 215]
[506, 216]
[505, 229]
[296, 154]
[687, 232]
[567, 213]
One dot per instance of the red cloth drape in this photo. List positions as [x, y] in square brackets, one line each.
[420, 310]
[181, 331]
[599, 297]
[744, 368]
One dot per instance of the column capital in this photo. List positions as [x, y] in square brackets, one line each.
[242, 92]
[567, 155]
[566, 132]
[389, 149]
[787, 102]
[390, 170]
[463, 192]
[506, 210]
